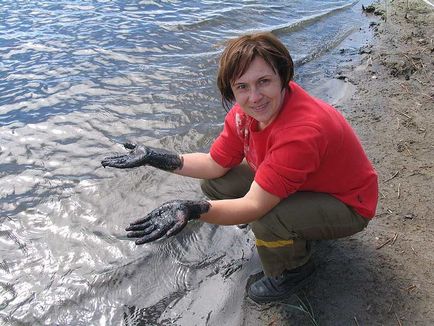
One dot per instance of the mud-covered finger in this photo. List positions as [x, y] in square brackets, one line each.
[150, 237]
[140, 234]
[142, 220]
[175, 229]
[130, 145]
[117, 162]
[140, 227]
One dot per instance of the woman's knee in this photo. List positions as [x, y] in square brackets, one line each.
[234, 184]
[219, 188]
[270, 227]
[207, 188]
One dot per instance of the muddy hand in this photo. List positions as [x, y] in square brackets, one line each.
[166, 220]
[143, 155]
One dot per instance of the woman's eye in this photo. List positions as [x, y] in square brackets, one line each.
[264, 81]
[240, 87]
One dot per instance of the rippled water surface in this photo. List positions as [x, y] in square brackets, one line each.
[77, 78]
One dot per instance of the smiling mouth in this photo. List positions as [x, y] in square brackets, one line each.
[260, 108]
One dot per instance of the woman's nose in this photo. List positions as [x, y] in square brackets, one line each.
[255, 95]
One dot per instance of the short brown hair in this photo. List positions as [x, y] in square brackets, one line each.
[239, 54]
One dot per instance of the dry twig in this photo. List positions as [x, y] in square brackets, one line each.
[390, 308]
[412, 62]
[402, 113]
[355, 320]
[394, 238]
[423, 84]
[408, 149]
[392, 177]
[385, 243]
[398, 320]
[404, 87]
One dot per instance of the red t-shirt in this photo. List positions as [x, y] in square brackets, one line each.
[309, 146]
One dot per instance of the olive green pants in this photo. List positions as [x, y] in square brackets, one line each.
[284, 235]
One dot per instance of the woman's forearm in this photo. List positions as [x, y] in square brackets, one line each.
[255, 204]
[230, 212]
[200, 166]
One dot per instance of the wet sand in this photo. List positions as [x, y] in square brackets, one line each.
[382, 276]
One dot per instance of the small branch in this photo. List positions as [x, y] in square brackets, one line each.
[392, 177]
[404, 87]
[412, 62]
[392, 239]
[408, 149]
[398, 320]
[390, 308]
[428, 3]
[423, 84]
[382, 245]
[355, 320]
[399, 190]
[404, 114]
[424, 94]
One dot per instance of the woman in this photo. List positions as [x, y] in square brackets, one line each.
[286, 163]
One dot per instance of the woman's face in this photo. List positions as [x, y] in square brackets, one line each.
[259, 92]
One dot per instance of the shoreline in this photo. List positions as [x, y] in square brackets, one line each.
[392, 113]
[382, 275]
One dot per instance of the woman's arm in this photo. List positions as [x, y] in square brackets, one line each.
[195, 165]
[171, 217]
[255, 204]
[201, 166]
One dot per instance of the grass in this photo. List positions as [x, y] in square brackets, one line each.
[305, 307]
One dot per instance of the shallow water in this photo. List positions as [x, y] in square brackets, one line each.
[79, 78]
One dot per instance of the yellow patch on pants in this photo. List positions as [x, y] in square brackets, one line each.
[274, 244]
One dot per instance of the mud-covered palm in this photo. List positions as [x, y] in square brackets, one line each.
[144, 155]
[166, 220]
[136, 157]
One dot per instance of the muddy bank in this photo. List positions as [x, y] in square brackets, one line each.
[382, 276]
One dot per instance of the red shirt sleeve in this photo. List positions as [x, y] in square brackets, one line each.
[228, 149]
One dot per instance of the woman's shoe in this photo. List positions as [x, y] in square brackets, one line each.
[281, 287]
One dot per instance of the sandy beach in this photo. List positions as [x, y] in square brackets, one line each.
[384, 275]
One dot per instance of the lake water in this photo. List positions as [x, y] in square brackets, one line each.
[77, 79]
